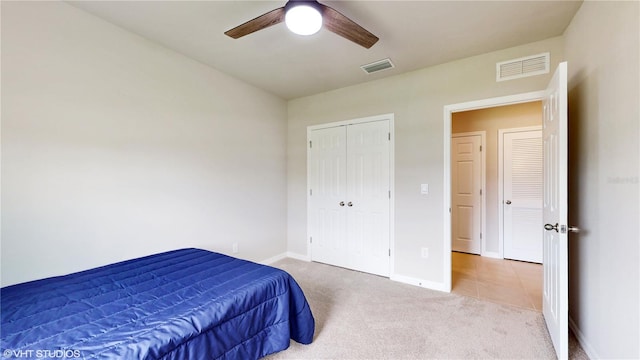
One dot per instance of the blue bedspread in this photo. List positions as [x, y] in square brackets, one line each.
[182, 304]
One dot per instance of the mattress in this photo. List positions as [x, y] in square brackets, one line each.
[182, 304]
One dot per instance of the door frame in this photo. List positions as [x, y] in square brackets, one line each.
[483, 183]
[389, 117]
[448, 111]
[501, 133]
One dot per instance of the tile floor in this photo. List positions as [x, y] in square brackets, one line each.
[503, 281]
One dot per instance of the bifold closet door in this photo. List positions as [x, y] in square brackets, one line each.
[350, 196]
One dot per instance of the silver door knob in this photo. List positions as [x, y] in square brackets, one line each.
[508, 202]
[341, 203]
[550, 227]
[573, 229]
[349, 204]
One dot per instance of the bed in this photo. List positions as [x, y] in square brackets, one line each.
[182, 304]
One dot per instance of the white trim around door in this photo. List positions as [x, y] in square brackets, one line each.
[448, 111]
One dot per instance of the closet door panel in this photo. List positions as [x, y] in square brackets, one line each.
[368, 193]
[327, 180]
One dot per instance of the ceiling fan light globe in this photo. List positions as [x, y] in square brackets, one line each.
[303, 20]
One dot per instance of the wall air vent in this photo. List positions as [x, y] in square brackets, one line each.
[377, 66]
[522, 67]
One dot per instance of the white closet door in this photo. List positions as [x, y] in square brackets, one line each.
[523, 188]
[327, 181]
[349, 184]
[368, 197]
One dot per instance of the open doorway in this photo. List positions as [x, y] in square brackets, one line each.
[510, 191]
[555, 208]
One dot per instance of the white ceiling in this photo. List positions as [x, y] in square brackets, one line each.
[414, 34]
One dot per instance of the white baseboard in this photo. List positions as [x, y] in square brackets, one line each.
[419, 282]
[297, 256]
[399, 278]
[588, 349]
[273, 259]
[285, 255]
[490, 254]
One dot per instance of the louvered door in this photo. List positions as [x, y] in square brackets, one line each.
[523, 189]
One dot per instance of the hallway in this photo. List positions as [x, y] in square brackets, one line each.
[502, 281]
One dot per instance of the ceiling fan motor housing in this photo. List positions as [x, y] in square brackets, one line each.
[303, 17]
[293, 3]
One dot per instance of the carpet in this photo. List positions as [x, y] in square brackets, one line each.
[363, 316]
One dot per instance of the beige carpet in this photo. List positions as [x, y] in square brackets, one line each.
[362, 316]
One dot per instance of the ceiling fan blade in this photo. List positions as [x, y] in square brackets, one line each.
[263, 21]
[347, 28]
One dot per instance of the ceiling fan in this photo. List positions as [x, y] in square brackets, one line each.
[306, 17]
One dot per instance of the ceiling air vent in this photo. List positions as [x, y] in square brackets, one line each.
[377, 66]
[522, 67]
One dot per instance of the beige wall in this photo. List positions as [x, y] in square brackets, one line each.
[602, 46]
[417, 99]
[114, 147]
[491, 120]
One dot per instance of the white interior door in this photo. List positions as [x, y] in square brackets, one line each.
[555, 307]
[522, 195]
[466, 199]
[368, 197]
[349, 196]
[328, 190]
